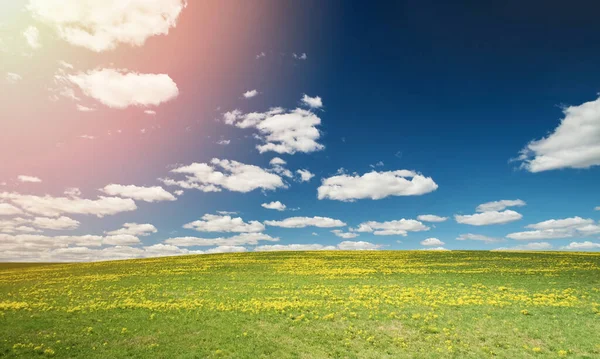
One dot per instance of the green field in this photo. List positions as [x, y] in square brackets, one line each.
[379, 304]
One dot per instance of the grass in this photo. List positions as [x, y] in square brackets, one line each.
[381, 304]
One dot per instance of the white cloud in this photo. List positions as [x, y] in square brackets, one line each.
[235, 176]
[217, 223]
[278, 167]
[431, 218]
[375, 185]
[294, 247]
[487, 218]
[575, 143]
[121, 240]
[582, 245]
[281, 131]
[558, 228]
[72, 192]
[59, 223]
[261, 55]
[478, 237]
[597, 208]
[312, 102]
[120, 89]
[227, 249]
[301, 222]
[50, 206]
[148, 194]
[150, 112]
[7, 209]
[500, 205]
[32, 35]
[391, 228]
[31, 179]
[13, 78]
[276, 161]
[541, 234]
[101, 25]
[87, 137]
[274, 205]
[223, 142]
[345, 235]
[84, 108]
[305, 175]
[250, 93]
[432, 242]
[561, 223]
[134, 229]
[357, 246]
[300, 57]
[237, 240]
[535, 246]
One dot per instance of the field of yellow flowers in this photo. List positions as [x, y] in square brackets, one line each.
[380, 304]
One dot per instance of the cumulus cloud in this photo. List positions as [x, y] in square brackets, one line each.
[134, 229]
[32, 36]
[478, 237]
[312, 102]
[278, 206]
[535, 246]
[597, 208]
[237, 240]
[148, 194]
[227, 249]
[357, 246]
[281, 131]
[13, 78]
[490, 217]
[219, 223]
[301, 222]
[345, 235]
[120, 89]
[375, 185]
[432, 242]
[7, 209]
[305, 175]
[224, 174]
[294, 247]
[431, 218]
[575, 143]
[50, 206]
[223, 142]
[391, 228]
[300, 57]
[250, 93]
[278, 166]
[102, 25]
[59, 223]
[500, 205]
[558, 228]
[30, 179]
[582, 245]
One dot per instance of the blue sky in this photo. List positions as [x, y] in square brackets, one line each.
[453, 93]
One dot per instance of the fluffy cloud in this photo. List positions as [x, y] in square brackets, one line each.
[391, 228]
[431, 218]
[490, 217]
[375, 185]
[121, 240]
[59, 223]
[223, 142]
[216, 223]
[148, 194]
[345, 235]
[134, 229]
[305, 175]
[278, 167]
[432, 242]
[7, 209]
[226, 249]
[597, 208]
[312, 102]
[237, 240]
[281, 131]
[13, 78]
[50, 206]
[278, 206]
[500, 205]
[250, 93]
[301, 222]
[357, 246]
[582, 245]
[535, 246]
[101, 25]
[294, 247]
[575, 143]
[32, 36]
[558, 228]
[478, 237]
[30, 179]
[120, 89]
[224, 174]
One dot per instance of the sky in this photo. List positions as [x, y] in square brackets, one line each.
[167, 127]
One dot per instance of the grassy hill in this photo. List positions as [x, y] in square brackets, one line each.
[381, 304]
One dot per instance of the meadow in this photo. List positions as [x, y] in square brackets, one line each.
[334, 304]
